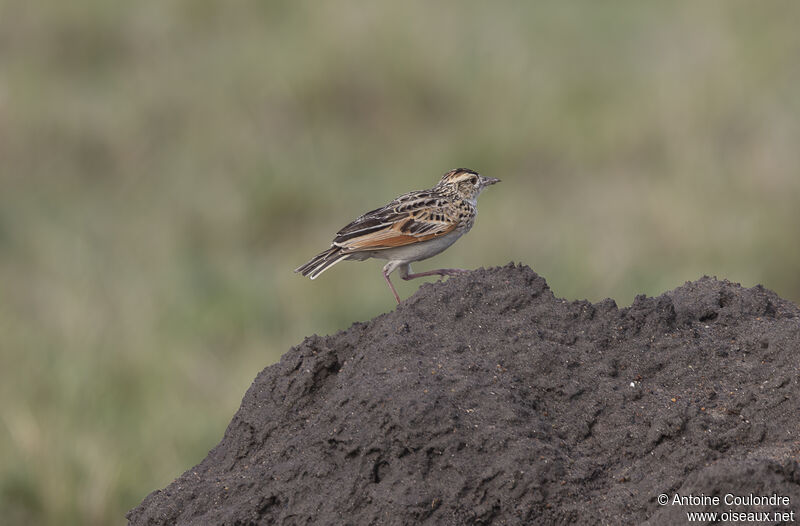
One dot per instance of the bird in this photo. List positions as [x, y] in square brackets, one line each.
[415, 226]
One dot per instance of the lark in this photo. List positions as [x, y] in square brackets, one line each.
[415, 226]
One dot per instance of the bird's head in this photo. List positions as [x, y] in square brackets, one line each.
[466, 183]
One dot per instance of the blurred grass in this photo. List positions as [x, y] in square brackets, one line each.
[165, 165]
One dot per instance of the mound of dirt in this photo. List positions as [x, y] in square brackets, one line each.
[487, 400]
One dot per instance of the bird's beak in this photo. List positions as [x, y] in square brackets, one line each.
[490, 180]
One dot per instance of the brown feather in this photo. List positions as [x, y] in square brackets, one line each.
[392, 237]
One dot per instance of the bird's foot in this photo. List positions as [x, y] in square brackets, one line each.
[437, 272]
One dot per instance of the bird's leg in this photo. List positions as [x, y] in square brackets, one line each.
[438, 272]
[386, 271]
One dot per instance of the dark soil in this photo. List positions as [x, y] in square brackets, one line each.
[487, 400]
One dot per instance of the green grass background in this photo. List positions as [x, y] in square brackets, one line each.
[165, 166]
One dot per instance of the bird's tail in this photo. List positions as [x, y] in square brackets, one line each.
[321, 262]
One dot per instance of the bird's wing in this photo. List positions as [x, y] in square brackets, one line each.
[410, 218]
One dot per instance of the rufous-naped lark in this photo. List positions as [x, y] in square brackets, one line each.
[415, 226]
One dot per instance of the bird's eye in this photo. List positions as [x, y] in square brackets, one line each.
[474, 180]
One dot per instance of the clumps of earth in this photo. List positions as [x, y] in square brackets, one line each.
[485, 399]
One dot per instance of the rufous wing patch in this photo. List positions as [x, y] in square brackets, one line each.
[393, 237]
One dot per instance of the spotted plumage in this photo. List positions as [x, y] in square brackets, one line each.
[413, 227]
